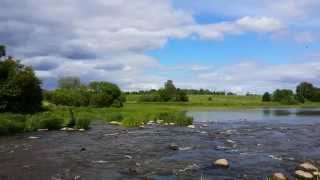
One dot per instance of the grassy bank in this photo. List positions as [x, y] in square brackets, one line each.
[133, 114]
[217, 102]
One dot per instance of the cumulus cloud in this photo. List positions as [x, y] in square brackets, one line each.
[257, 77]
[105, 40]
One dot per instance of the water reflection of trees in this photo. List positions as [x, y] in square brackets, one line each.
[281, 112]
[308, 113]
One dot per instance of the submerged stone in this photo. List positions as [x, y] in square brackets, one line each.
[174, 147]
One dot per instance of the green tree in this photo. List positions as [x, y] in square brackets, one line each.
[105, 94]
[305, 91]
[2, 51]
[169, 93]
[284, 96]
[69, 82]
[20, 89]
[266, 97]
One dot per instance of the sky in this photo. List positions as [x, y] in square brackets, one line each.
[239, 46]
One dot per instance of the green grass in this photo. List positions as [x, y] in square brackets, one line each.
[218, 102]
[133, 113]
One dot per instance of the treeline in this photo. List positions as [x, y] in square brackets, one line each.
[169, 93]
[71, 92]
[187, 91]
[304, 92]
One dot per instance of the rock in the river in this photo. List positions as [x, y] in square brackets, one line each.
[172, 124]
[67, 129]
[278, 176]
[81, 130]
[303, 174]
[43, 129]
[191, 126]
[316, 173]
[115, 123]
[307, 167]
[174, 147]
[133, 171]
[159, 121]
[33, 137]
[221, 163]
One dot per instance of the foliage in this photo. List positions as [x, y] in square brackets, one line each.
[114, 117]
[167, 94]
[83, 123]
[20, 90]
[284, 96]
[72, 121]
[69, 82]
[2, 50]
[307, 91]
[266, 97]
[304, 91]
[96, 94]
[179, 118]
[51, 122]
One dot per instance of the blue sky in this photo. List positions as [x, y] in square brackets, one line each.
[238, 46]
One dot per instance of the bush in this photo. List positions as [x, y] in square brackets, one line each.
[179, 118]
[266, 97]
[117, 104]
[83, 123]
[20, 90]
[133, 121]
[166, 94]
[11, 123]
[4, 127]
[283, 95]
[114, 117]
[51, 123]
[289, 100]
[97, 94]
[32, 123]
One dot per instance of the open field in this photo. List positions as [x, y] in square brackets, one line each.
[224, 102]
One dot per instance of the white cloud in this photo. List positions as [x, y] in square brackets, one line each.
[263, 24]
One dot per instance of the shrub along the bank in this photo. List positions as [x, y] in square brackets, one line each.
[17, 123]
[96, 94]
[178, 118]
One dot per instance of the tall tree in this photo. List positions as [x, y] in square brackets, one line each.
[304, 91]
[2, 50]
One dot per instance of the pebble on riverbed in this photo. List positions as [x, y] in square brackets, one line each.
[278, 176]
[303, 174]
[221, 163]
[191, 126]
[307, 167]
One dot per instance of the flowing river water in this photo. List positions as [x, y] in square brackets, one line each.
[257, 142]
